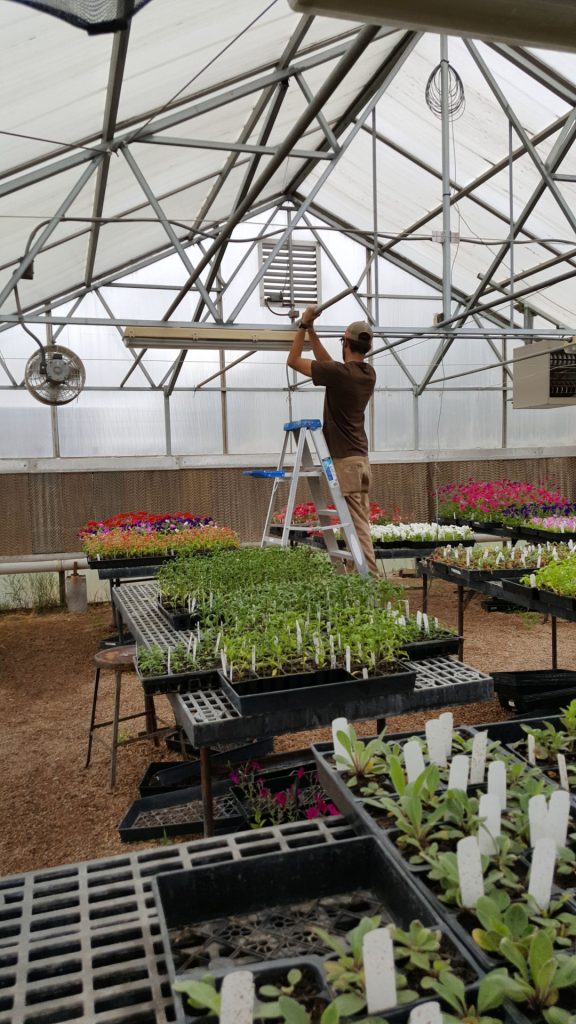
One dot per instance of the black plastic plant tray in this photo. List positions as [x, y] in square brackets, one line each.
[314, 689]
[185, 805]
[531, 595]
[265, 908]
[433, 647]
[537, 533]
[560, 604]
[166, 776]
[81, 942]
[128, 563]
[418, 545]
[274, 973]
[526, 690]
[179, 682]
[543, 704]
[276, 781]
[229, 751]
[462, 574]
[179, 618]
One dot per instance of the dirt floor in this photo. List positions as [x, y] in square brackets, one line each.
[53, 810]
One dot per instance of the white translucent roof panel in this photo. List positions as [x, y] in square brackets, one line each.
[170, 51]
[41, 57]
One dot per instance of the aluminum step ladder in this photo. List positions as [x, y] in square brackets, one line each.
[310, 440]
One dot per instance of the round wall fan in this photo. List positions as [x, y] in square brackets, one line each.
[54, 375]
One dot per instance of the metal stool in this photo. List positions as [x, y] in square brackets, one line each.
[119, 660]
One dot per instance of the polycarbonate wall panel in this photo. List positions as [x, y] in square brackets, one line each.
[196, 423]
[255, 421]
[307, 403]
[393, 421]
[540, 427]
[459, 421]
[25, 427]
[113, 423]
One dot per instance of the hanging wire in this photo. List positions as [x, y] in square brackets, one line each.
[456, 95]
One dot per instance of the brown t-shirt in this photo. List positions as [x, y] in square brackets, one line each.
[349, 388]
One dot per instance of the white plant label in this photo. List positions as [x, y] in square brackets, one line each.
[542, 872]
[379, 970]
[419, 618]
[237, 998]
[531, 749]
[414, 760]
[458, 778]
[497, 781]
[538, 818]
[469, 871]
[339, 725]
[563, 771]
[348, 659]
[558, 817]
[489, 830]
[425, 622]
[447, 721]
[426, 1013]
[436, 742]
[478, 766]
[532, 580]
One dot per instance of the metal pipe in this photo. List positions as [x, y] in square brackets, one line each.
[51, 565]
[446, 265]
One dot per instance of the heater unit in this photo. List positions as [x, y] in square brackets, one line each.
[544, 375]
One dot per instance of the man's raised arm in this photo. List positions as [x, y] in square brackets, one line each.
[295, 360]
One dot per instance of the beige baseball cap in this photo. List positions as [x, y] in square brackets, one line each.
[358, 328]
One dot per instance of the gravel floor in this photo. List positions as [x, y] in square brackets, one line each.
[55, 811]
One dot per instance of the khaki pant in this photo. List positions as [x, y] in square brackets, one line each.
[354, 477]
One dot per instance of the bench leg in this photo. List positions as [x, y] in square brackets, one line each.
[92, 717]
[115, 720]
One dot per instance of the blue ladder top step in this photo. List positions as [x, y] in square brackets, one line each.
[303, 425]
[268, 473]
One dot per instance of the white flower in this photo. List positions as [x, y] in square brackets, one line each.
[420, 531]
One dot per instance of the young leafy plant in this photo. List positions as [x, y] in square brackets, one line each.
[452, 992]
[540, 977]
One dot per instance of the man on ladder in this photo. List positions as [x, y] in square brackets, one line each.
[349, 387]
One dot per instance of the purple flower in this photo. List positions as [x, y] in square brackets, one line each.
[234, 777]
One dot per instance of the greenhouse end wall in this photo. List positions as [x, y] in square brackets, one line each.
[41, 513]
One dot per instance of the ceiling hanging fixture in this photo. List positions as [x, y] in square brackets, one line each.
[95, 16]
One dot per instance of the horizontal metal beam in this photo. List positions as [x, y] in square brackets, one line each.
[233, 147]
[139, 464]
[247, 331]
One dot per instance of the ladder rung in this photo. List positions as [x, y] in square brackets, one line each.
[304, 472]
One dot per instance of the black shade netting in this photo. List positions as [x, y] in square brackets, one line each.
[93, 15]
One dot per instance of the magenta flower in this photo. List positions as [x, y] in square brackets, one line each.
[312, 812]
[280, 799]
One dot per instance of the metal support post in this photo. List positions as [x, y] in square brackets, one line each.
[446, 256]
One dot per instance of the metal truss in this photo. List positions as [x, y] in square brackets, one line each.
[495, 306]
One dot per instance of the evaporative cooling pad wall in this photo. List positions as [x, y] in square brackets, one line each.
[40, 513]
